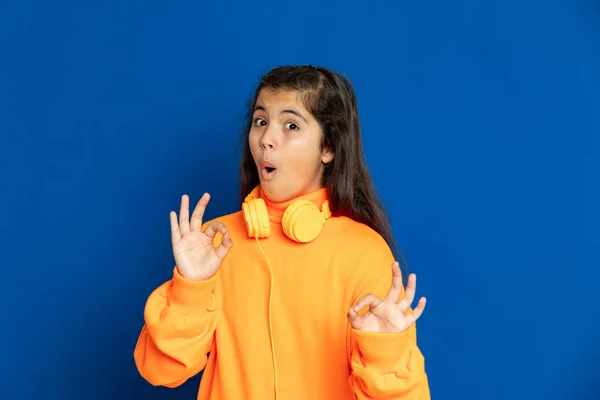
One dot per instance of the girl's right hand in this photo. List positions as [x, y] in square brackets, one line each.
[195, 254]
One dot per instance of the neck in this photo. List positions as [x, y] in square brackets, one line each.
[276, 210]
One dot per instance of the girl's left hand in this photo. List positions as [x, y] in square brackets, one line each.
[388, 315]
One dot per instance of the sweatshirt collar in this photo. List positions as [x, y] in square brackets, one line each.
[276, 210]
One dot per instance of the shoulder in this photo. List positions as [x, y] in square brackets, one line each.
[366, 255]
[358, 235]
[235, 219]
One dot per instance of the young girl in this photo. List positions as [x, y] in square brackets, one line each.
[297, 295]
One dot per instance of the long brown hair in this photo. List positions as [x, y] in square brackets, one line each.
[330, 98]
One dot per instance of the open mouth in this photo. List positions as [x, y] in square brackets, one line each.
[268, 172]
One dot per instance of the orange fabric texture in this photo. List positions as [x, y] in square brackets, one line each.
[272, 322]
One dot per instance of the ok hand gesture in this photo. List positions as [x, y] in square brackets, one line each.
[388, 315]
[195, 254]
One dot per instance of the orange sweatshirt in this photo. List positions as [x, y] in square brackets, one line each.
[281, 331]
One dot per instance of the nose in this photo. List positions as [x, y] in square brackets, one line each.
[267, 142]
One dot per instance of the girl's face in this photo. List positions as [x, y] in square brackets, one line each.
[285, 143]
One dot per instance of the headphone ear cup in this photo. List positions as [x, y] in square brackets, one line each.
[302, 221]
[256, 218]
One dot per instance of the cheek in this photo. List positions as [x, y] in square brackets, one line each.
[253, 143]
[307, 160]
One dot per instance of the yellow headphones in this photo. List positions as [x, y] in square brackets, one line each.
[302, 220]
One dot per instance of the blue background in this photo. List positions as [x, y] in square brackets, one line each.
[481, 123]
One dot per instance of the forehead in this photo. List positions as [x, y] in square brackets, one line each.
[280, 99]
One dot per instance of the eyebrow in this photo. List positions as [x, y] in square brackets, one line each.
[286, 111]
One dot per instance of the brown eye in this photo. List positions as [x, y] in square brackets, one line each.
[259, 122]
[291, 125]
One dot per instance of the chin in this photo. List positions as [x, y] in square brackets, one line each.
[276, 193]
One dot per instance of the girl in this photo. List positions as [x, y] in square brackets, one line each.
[297, 295]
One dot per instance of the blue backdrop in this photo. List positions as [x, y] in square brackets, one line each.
[481, 127]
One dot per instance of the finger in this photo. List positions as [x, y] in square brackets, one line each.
[409, 295]
[198, 213]
[184, 214]
[225, 246]
[369, 300]
[356, 321]
[213, 228]
[396, 289]
[175, 234]
[414, 316]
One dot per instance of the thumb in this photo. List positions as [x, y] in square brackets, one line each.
[355, 320]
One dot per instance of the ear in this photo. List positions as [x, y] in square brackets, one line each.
[327, 156]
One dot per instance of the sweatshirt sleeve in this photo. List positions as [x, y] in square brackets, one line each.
[180, 321]
[386, 365]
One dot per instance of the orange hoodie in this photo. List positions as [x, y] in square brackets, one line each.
[278, 329]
